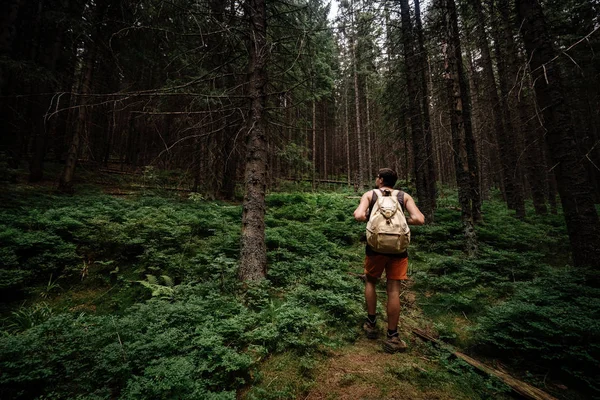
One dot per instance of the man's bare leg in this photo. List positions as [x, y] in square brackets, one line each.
[371, 294]
[393, 343]
[393, 303]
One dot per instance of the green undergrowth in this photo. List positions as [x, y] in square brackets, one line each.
[137, 297]
[518, 300]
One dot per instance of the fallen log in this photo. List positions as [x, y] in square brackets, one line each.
[316, 180]
[524, 389]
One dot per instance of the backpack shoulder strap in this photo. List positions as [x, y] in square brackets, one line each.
[376, 193]
[372, 202]
[401, 198]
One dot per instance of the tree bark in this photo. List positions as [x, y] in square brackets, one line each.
[8, 16]
[314, 144]
[460, 124]
[421, 166]
[499, 108]
[427, 134]
[253, 257]
[347, 135]
[361, 158]
[65, 183]
[574, 187]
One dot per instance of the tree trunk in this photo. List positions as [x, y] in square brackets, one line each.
[253, 257]
[368, 126]
[8, 16]
[499, 109]
[40, 136]
[361, 162]
[460, 123]
[65, 183]
[421, 165]
[314, 144]
[427, 134]
[347, 127]
[572, 180]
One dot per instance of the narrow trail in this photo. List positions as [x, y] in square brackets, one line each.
[363, 370]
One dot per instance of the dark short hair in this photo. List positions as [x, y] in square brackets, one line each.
[389, 176]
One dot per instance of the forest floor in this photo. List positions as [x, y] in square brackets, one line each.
[362, 370]
[348, 366]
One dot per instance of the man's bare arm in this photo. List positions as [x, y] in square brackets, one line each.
[360, 214]
[416, 216]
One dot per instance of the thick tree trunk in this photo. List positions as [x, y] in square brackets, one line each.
[460, 125]
[253, 257]
[421, 166]
[574, 187]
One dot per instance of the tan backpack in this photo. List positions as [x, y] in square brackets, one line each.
[387, 229]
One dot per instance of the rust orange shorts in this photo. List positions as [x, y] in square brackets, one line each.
[395, 268]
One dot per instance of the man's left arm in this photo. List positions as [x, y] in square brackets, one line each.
[360, 214]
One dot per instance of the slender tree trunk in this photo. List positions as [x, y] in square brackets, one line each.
[347, 127]
[8, 16]
[40, 138]
[368, 122]
[535, 159]
[504, 135]
[325, 115]
[314, 144]
[253, 258]
[460, 123]
[421, 165]
[361, 162]
[427, 134]
[65, 184]
[574, 187]
[504, 126]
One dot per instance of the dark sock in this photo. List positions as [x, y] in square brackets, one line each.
[371, 319]
[392, 332]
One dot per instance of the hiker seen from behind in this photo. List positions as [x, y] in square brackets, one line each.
[388, 237]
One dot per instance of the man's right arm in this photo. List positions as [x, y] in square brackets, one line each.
[416, 216]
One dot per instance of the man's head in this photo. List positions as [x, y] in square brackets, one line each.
[386, 177]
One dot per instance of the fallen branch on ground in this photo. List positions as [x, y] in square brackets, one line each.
[522, 388]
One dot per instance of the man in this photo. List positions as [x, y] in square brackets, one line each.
[395, 265]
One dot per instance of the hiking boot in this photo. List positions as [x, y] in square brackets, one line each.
[370, 330]
[394, 344]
